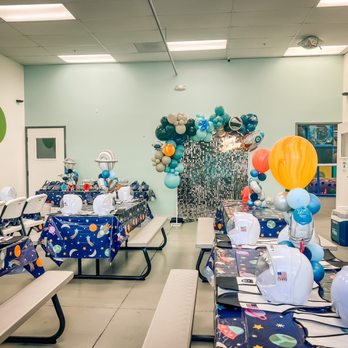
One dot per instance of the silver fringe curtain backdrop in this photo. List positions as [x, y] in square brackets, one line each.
[213, 172]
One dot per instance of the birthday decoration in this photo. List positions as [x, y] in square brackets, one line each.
[2, 125]
[293, 162]
[107, 179]
[70, 176]
[177, 130]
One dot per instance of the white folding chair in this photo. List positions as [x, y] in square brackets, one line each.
[2, 206]
[12, 212]
[33, 205]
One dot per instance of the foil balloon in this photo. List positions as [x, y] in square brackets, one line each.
[293, 162]
[280, 201]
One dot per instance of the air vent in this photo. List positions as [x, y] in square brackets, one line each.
[148, 47]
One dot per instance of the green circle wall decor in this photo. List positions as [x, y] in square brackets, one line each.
[2, 125]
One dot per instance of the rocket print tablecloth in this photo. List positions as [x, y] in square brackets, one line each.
[18, 255]
[271, 221]
[90, 236]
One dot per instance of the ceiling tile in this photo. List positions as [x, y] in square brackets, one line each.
[269, 18]
[50, 27]
[141, 57]
[57, 40]
[263, 31]
[323, 15]
[180, 7]
[196, 34]
[122, 48]
[24, 51]
[80, 49]
[16, 41]
[196, 21]
[263, 5]
[107, 9]
[133, 36]
[120, 24]
[256, 52]
[200, 55]
[7, 30]
[258, 43]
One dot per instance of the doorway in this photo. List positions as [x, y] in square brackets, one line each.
[45, 153]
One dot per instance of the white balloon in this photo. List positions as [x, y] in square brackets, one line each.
[72, 204]
[103, 204]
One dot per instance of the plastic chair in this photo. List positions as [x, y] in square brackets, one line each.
[11, 214]
[2, 206]
[33, 206]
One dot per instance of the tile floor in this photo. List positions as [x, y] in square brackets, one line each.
[106, 313]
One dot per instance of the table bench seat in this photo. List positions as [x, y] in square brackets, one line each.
[20, 307]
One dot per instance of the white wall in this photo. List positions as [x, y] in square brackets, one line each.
[12, 148]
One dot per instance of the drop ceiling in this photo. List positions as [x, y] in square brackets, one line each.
[253, 28]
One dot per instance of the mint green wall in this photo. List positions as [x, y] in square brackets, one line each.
[118, 106]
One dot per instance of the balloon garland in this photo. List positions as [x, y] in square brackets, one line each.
[293, 162]
[176, 130]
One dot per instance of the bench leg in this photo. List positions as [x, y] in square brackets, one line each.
[97, 274]
[163, 243]
[202, 338]
[198, 264]
[43, 340]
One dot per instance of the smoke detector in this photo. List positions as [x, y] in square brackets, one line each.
[310, 42]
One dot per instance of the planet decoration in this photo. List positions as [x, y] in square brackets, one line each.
[176, 130]
[3, 125]
[282, 340]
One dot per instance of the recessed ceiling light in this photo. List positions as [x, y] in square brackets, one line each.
[318, 51]
[332, 3]
[88, 58]
[201, 45]
[33, 13]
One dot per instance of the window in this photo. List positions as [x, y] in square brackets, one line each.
[45, 148]
[323, 136]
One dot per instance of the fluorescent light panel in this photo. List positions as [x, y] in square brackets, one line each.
[88, 58]
[324, 50]
[33, 13]
[202, 45]
[332, 3]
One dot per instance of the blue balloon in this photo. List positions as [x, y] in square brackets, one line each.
[317, 251]
[303, 216]
[66, 171]
[262, 176]
[318, 271]
[254, 197]
[100, 176]
[172, 181]
[250, 203]
[307, 253]
[112, 174]
[105, 174]
[314, 204]
[254, 173]
[287, 243]
[298, 198]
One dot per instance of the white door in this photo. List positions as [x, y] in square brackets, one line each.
[45, 156]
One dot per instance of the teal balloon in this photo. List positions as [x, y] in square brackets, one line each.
[173, 163]
[287, 243]
[180, 148]
[112, 174]
[226, 118]
[318, 271]
[195, 138]
[172, 181]
[201, 134]
[171, 142]
[167, 169]
[314, 204]
[317, 252]
[178, 155]
[219, 110]
[180, 168]
[208, 138]
[211, 126]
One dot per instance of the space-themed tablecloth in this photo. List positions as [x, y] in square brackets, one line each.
[18, 255]
[271, 221]
[249, 326]
[90, 236]
[55, 196]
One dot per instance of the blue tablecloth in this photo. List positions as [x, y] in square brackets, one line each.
[90, 236]
[55, 197]
[271, 221]
[251, 327]
[15, 256]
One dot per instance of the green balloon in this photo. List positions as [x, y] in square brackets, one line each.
[2, 125]
[48, 142]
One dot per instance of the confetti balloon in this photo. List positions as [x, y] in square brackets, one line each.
[293, 162]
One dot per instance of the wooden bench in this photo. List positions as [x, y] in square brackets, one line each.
[204, 241]
[172, 323]
[20, 307]
[136, 241]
